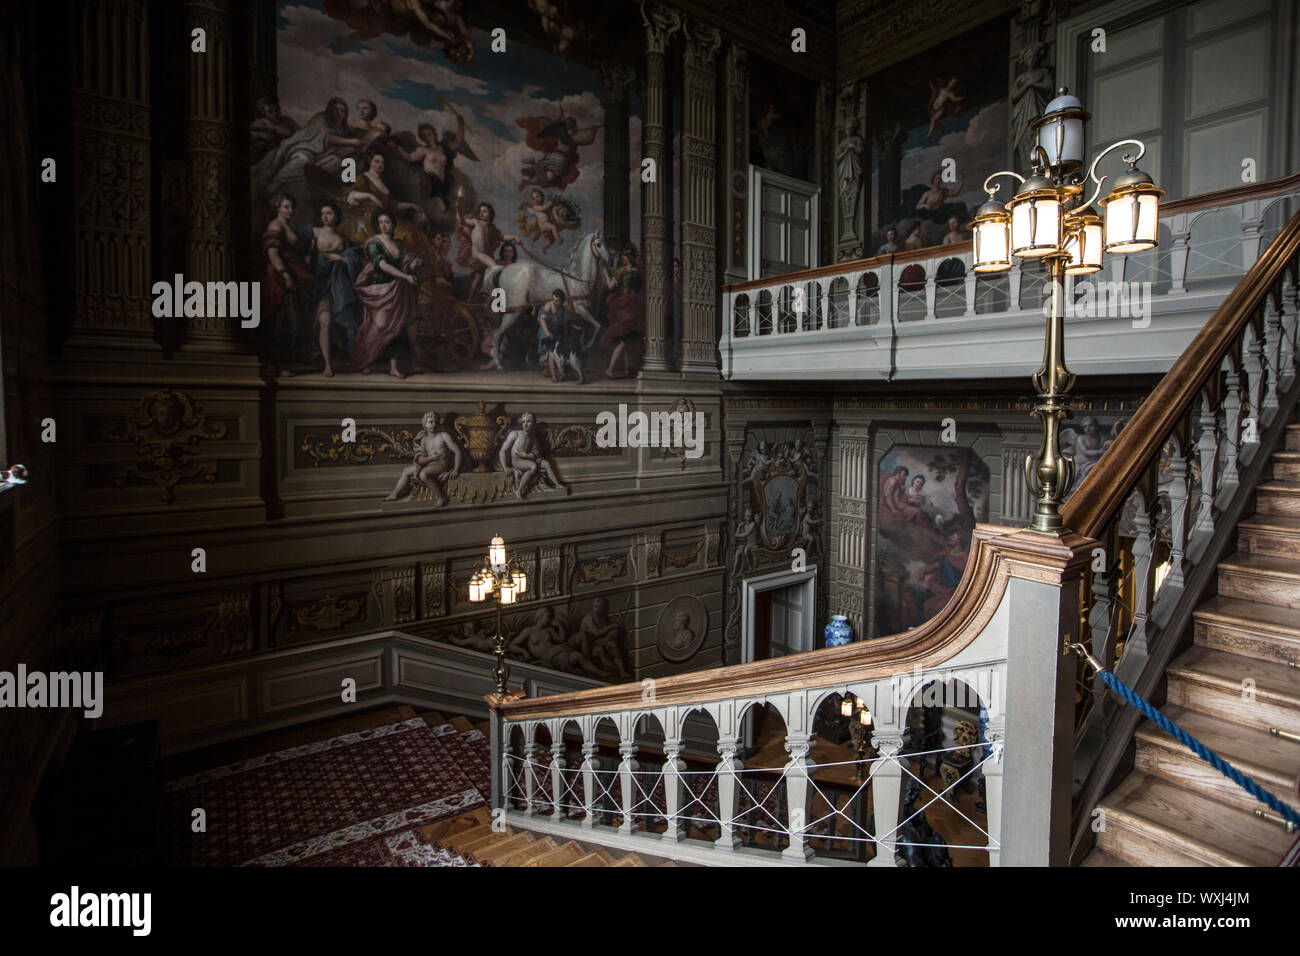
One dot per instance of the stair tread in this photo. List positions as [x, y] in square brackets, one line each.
[523, 855]
[561, 856]
[463, 837]
[1265, 565]
[1283, 454]
[1279, 486]
[1250, 749]
[592, 859]
[1212, 832]
[1207, 665]
[1251, 614]
[1099, 857]
[460, 723]
[1262, 521]
[492, 843]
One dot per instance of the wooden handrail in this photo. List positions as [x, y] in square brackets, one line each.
[1107, 485]
[996, 551]
[1220, 197]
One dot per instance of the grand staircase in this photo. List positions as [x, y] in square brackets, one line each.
[1234, 689]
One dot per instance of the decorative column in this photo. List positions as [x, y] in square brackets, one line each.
[1018, 441]
[796, 773]
[672, 773]
[530, 777]
[886, 787]
[111, 174]
[736, 165]
[557, 776]
[615, 80]
[210, 251]
[627, 784]
[992, 770]
[847, 534]
[825, 144]
[589, 803]
[699, 162]
[728, 768]
[660, 25]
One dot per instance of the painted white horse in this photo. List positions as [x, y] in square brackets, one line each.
[529, 283]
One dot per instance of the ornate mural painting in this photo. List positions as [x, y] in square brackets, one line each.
[928, 502]
[939, 126]
[405, 180]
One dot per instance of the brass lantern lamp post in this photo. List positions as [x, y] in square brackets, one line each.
[498, 577]
[1049, 219]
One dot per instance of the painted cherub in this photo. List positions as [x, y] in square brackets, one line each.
[550, 216]
[437, 459]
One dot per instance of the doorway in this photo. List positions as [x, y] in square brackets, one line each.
[777, 614]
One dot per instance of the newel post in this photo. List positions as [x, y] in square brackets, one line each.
[1039, 611]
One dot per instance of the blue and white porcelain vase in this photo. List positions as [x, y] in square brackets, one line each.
[839, 631]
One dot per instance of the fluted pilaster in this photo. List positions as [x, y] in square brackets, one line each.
[699, 166]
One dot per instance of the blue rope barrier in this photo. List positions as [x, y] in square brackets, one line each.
[1129, 695]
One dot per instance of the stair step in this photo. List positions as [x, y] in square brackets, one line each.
[464, 837]
[526, 854]
[496, 847]
[1270, 534]
[1262, 578]
[1278, 497]
[1263, 631]
[433, 718]
[1293, 437]
[1151, 822]
[562, 856]
[630, 860]
[1271, 762]
[458, 824]
[461, 723]
[593, 859]
[1286, 465]
[1102, 858]
[1212, 682]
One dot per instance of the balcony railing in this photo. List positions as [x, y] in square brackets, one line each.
[924, 314]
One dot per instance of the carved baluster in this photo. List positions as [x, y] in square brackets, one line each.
[627, 785]
[672, 775]
[1015, 279]
[589, 787]
[1104, 581]
[1231, 422]
[797, 789]
[1144, 547]
[931, 289]
[1272, 357]
[530, 777]
[728, 791]
[886, 780]
[1208, 444]
[1251, 364]
[970, 292]
[558, 811]
[1178, 255]
[1178, 490]
[1289, 331]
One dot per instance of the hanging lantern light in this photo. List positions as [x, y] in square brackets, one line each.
[497, 553]
[1035, 219]
[1060, 132]
[1082, 243]
[990, 231]
[1132, 213]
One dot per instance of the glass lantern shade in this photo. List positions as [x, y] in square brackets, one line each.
[475, 589]
[1132, 214]
[508, 592]
[497, 552]
[990, 232]
[846, 707]
[865, 717]
[520, 581]
[1083, 234]
[1060, 132]
[1035, 223]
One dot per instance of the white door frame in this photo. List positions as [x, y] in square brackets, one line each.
[810, 191]
[749, 589]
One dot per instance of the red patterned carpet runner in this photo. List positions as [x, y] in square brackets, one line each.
[357, 799]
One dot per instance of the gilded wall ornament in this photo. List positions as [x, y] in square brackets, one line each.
[328, 614]
[168, 431]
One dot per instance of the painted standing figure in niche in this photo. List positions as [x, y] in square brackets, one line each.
[335, 264]
[438, 458]
[387, 288]
[1029, 95]
[625, 307]
[286, 276]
